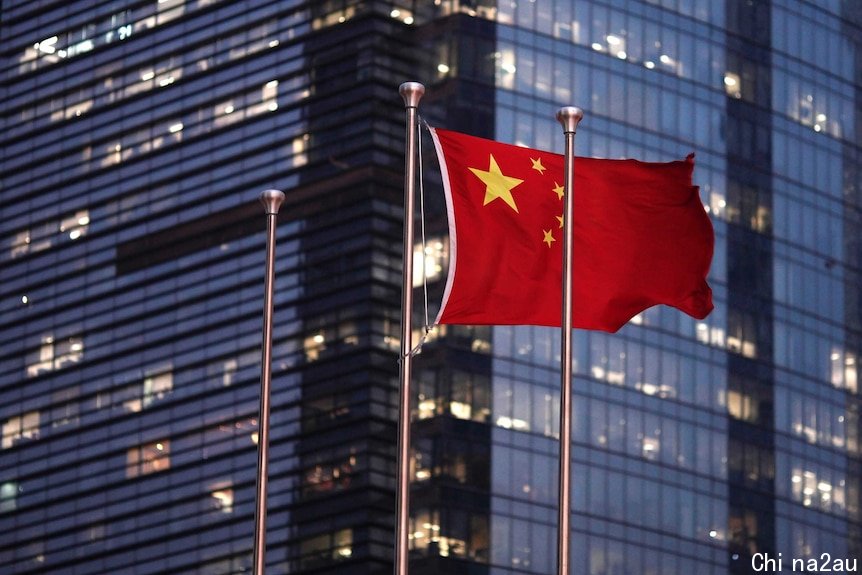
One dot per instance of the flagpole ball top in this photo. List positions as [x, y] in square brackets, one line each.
[411, 92]
[271, 200]
[569, 117]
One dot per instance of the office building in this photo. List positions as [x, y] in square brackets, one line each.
[136, 138]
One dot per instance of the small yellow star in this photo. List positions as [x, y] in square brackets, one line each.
[560, 219]
[537, 165]
[549, 237]
[497, 184]
[558, 189]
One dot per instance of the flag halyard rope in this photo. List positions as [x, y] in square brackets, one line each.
[417, 349]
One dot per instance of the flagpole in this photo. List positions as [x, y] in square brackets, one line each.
[271, 200]
[411, 92]
[569, 117]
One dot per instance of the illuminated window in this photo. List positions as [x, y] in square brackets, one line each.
[221, 494]
[660, 390]
[424, 529]
[268, 100]
[460, 410]
[112, 154]
[47, 46]
[314, 345]
[326, 548]
[432, 262]
[20, 243]
[333, 18]
[43, 360]
[651, 447]
[8, 495]
[157, 384]
[149, 458]
[818, 490]
[175, 129]
[129, 397]
[157, 387]
[741, 333]
[460, 538]
[227, 113]
[402, 14]
[75, 225]
[742, 406]
[74, 110]
[54, 354]
[506, 68]
[16, 428]
[850, 374]
[117, 27]
[843, 369]
[228, 372]
[343, 544]
[81, 47]
[68, 350]
[167, 77]
[298, 150]
[420, 465]
[169, 9]
[427, 407]
[732, 85]
[269, 95]
[329, 476]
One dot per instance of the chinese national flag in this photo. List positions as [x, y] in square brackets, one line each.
[641, 237]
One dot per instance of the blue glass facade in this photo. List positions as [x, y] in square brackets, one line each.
[136, 137]
[699, 446]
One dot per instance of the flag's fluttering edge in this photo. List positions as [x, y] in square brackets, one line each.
[641, 236]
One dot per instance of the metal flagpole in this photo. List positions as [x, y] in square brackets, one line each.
[411, 92]
[271, 200]
[569, 117]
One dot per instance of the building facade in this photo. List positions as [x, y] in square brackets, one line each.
[136, 137]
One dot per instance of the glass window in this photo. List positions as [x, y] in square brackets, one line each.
[221, 496]
[20, 427]
[65, 407]
[338, 545]
[157, 387]
[148, 458]
[8, 496]
[501, 544]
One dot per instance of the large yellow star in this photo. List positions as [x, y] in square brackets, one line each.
[497, 185]
[558, 189]
[549, 237]
[537, 165]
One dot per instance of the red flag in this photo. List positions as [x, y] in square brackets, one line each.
[642, 236]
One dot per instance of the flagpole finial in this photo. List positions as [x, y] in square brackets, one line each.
[411, 92]
[271, 200]
[569, 117]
